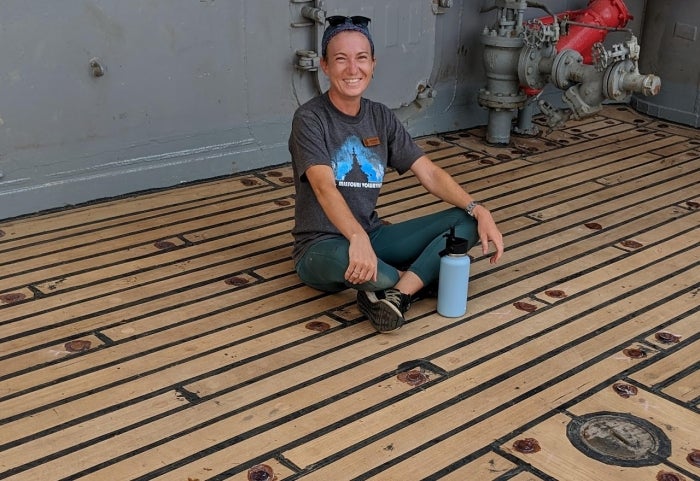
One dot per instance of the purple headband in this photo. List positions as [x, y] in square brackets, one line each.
[339, 23]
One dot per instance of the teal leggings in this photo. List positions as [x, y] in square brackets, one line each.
[413, 245]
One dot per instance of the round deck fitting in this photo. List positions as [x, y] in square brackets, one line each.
[619, 439]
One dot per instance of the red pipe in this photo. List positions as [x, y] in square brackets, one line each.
[603, 13]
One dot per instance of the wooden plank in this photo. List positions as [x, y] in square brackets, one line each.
[520, 248]
[685, 389]
[679, 332]
[560, 137]
[490, 466]
[322, 447]
[471, 173]
[640, 206]
[475, 141]
[545, 209]
[525, 476]
[604, 130]
[631, 263]
[406, 186]
[149, 323]
[228, 427]
[103, 214]
[677, 423]
[501, 423]
[408, 436]
[598, 196]
[80, 319]
[85, 432]
[561, 460]
[625, 113]
[87, 277]
[435, 145]
[137, 436]
[535, 198]
[629, 138]
[676, 129]
[190, 239]
[689, 147]
[114, 239]
[116, 327]
[261, 389]
[111, 266]
[125, 290]
[525, 145]
[557, 248]
[584, 172]
[645, 169]
[190, 337]
[682, 356]
[597, 122]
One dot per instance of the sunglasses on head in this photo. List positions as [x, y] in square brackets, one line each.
[358, 20]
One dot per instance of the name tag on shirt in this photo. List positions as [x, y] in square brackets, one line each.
[371, 141]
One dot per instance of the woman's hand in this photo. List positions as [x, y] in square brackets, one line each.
[441, 184]
[362, 266]
[488, 232]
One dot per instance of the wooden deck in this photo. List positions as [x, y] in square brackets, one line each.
[165, 336]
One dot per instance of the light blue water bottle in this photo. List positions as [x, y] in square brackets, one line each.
[453, 281]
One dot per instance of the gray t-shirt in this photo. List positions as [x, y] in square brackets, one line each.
[359, 149]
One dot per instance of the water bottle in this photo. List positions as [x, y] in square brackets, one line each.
[453, 281]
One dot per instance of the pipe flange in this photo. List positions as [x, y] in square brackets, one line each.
[500, 100]
[529, 71]
[562, 67]
[613, 79]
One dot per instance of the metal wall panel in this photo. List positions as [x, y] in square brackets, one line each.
[194, 89]
[671, 49]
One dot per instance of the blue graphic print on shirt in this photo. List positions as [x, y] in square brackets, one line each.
[357, 166]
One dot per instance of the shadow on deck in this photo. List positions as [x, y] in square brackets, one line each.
[165, 336]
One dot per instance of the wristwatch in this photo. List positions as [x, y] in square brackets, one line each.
[471, 206]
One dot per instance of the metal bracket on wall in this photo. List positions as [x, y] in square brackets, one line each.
[307, 60]
[314, 14]
[438, 6]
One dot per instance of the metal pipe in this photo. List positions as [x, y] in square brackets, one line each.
[598, 13]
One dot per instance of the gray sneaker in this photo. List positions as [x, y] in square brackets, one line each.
[384, 309]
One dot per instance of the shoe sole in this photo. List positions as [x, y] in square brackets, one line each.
[382, 314]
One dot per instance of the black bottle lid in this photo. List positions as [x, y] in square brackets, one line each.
[455, 246]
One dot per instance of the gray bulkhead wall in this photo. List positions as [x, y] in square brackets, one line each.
[101, 98]
[671, 49]
[191, 90]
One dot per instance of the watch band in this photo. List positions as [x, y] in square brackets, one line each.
[471, 206]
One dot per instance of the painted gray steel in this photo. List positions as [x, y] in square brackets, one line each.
[101, 98]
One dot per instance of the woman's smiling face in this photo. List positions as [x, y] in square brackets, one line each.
[349, 66]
